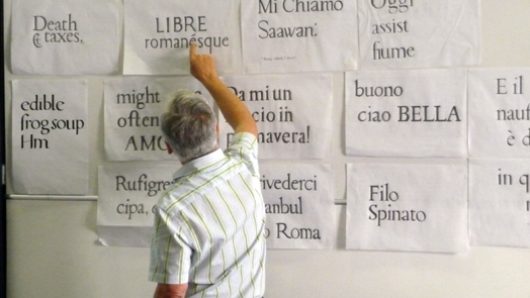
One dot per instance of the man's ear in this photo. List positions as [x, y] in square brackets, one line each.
[168, 148]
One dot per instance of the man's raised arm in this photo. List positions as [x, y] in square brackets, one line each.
[236, 113]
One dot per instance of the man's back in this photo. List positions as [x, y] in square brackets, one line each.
[215, 214]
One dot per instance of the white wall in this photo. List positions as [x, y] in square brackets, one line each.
[52, 250]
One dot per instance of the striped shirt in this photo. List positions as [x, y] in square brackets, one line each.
[209, 227]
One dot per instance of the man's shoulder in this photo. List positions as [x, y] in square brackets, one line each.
[244, 147]
[177, 195]
[187, 189]
[245, 138]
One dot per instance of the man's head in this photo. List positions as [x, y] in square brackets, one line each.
[189, 125]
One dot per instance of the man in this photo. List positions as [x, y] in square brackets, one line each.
[209, 226]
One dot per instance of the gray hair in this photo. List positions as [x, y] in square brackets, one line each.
[189, 125]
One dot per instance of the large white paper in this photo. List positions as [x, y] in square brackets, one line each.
[412, 34]
[499, 113]
[293, 113]
[127, 195]
[158, 34]
[413, 205]
[50, 137]
[499, 202]
[132, 115]
[413, 113]
[300, 206]
[294, 36]
[65, 37]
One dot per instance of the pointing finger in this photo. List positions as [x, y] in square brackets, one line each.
[193, 49]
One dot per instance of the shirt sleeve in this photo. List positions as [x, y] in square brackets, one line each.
[244, 146]
[170, 253]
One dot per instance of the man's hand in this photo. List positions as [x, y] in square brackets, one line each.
[171, 290]
[202, 67]
[235, 112]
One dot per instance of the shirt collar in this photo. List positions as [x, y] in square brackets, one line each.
[199, 163]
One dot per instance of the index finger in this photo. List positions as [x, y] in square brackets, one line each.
[193, 49]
